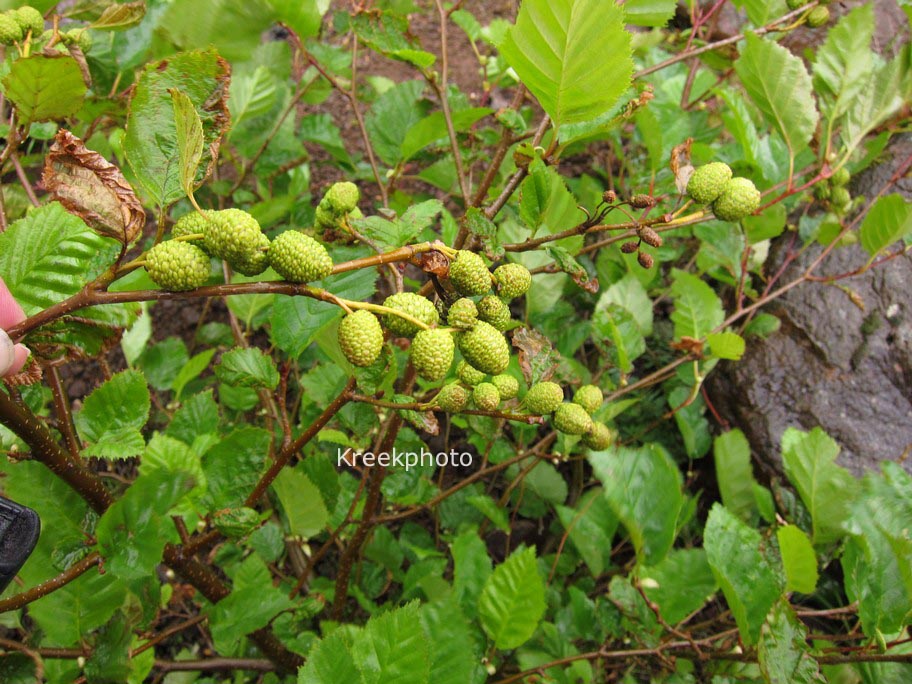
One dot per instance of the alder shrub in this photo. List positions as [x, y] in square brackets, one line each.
[368, 342]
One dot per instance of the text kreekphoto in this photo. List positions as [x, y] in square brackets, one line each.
[404, 459]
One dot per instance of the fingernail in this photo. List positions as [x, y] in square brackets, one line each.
[7, 353]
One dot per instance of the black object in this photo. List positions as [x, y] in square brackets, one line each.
[19, 529]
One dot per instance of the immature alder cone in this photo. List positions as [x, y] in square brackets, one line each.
[485, 348]
[513, 280]
[432, 353]
[507, 385]
[462, 314]
[818, 16]
[360, 337]
[543, 398]
[572, 419]
[492, 309]
[739, 199]
[469, 274]
[468, 374]
[452, 397]
[708, 181]
[177, 266]
[415, 306]
[599, 438]
[299, 258]
[486, 396]
[589, 397]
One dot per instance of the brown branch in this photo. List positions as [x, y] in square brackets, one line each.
[76, 570]
[215, 664]
[45, 449]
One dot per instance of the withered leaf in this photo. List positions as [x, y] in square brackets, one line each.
[537, 360]
[93, 189]
[680, 164]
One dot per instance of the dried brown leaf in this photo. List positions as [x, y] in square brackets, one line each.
[537, 359]
[93, 189]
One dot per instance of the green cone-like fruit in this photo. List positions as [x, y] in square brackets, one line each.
[599, 438]
[360, 337]
[840, 197]
[341, 198]
[841, 177]
[177, 266]
[486, 396]
[29, 19]
[192, 223]
[299, 258]
[492, 309]
[10, 31]
[469, 274]
[485, 348]
[80, 37]
[232, 235]
[415, 306]
[452, 397]
[462, 314]
[507, 385]
[572, 419]
[822, 191]
[589, 397]
[818, 16]
[739, 199]
[432, 353]
[512, 280]
[468, 373]
[708, 181]
[255, 261]
[324, 218]
[795, 4]
[543, 398]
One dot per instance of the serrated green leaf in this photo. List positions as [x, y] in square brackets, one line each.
[783, 651]
[573, 55]
[689, 416]
[188, 129]
[233, 467]
[680, 584]
[798, 559]
[247, 367]
[698, 310]
[330, 660]
[192, 369]
[726, 345]
[455, 657]
[151, 143]
[392, 116]
[888, 221]
[233, 27]
[749, 581]
[843, 64]
[48, 256]
[110, 659]
[489, 508]
[780, 86]
[252, 94]
[809, 459]
[134, 530]
[643, 489]
[302, 503]
[887, 88]
[393, 649]
[471, 568]
[45, 87]
[114, 414]
[731, 453]
[512, 600]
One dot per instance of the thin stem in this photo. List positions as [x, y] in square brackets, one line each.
[40, 590]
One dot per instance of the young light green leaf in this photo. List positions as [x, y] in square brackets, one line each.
[455, 656]
[471, 569]
[253, 93]
[247, 367]
[749, 581]
[393, 649]
[888, 221]
[734, 474]
[573, 55]
[649, 12]
[780, 86]
[302, 503]
[844, 62]
[512, 600]
[697, 308]
[45, 87]
[590, 526]
[643, 489]
[887, 89]
[120, 16]
[798, 559]
[189, 131]
[392, 116]
[433, 127]
[761, 11]
[151, 141]
[825, 488]
[330, 660]
[783, 651]
[196, 365]
[616, 327]
[726, 345]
